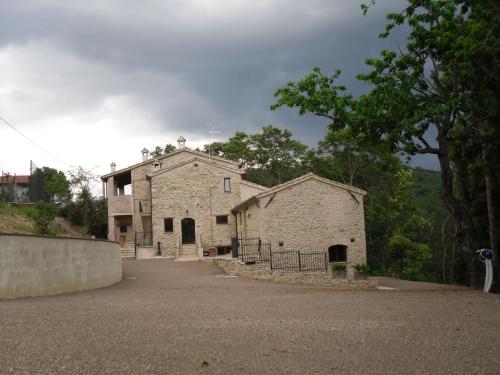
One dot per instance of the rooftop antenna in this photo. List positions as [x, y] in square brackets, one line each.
[211, 132]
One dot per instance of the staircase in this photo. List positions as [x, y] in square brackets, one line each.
[188, 253]
[128, 251]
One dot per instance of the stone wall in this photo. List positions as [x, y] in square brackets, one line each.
[262, 271]
[310, 216]
[33, 266]
[194, 190]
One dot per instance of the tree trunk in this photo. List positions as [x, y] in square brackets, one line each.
[463, 224]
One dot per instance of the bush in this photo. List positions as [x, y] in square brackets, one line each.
[361, 268]
[336, 267]
[42, 215]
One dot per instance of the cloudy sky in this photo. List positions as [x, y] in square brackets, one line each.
[95, 81]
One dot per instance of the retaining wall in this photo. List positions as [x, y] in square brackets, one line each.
[262, 271]
[33, 266]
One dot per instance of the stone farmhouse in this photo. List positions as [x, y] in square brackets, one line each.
[186, 203]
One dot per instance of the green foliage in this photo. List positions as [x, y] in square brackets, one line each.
[362, 268]
[268, 158]
[412, 258]
[42, 215]
[50, 185]
[337, 267]
[159, 151]
[444, 78]
[86, 210]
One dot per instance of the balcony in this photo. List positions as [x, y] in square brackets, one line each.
[120, 205]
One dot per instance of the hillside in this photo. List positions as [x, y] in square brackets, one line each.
[15, 219]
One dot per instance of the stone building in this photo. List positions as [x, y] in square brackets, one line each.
[186, 202]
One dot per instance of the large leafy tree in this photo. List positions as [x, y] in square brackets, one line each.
[430, 86]
[438, 84]
[269, 158]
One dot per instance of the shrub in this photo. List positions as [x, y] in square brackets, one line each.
[361, 268]
[42, 215]
[336, 267]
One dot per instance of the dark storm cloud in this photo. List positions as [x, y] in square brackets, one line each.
[196, 64]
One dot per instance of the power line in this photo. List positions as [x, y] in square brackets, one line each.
[5, 122]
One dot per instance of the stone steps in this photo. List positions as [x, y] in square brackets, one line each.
[128, 251]
[188, 253]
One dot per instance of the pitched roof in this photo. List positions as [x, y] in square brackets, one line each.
[198, 153]
[252, 184]
[198, 159]
[19, 179]
[289, 184]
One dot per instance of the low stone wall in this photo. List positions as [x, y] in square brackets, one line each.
[262, 271]
[33, 266]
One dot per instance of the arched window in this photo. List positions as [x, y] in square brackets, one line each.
[337, 253]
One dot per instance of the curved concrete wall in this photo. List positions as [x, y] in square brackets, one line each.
[38, 266]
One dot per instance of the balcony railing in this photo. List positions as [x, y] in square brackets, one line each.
[143, 238]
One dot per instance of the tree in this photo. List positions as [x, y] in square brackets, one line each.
[50, 185]
[268, 158]
[86, 210]
[159, 151]
[435, 84]
[429, 84]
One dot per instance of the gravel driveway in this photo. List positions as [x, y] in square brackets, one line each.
[170, 317]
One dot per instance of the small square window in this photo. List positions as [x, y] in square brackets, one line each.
[123, 229]
[221, 219]
[168, 224]
[227, 184]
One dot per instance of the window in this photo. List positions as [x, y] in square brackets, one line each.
[227, 184]
[337, 253]
[168, 224]
[221, 219]
[123, 229]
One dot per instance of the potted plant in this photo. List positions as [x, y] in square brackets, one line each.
[339, 270]
[361, 271]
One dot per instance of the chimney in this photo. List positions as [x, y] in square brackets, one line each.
[113, 166]
[145, 154]
[181, 142]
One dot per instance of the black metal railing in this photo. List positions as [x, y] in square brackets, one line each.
[143, 239]
[253, 250]
[300, 261]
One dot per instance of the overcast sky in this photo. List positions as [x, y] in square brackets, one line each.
[96, 81]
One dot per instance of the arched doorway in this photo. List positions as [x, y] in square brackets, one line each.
[188, 231]
[337, 253]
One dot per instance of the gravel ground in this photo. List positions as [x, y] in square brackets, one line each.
[169, 317]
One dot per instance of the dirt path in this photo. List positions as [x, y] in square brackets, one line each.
[167, 317]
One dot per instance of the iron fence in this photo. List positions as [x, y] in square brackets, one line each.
[253, 249]
[143, 239]
[299, 261]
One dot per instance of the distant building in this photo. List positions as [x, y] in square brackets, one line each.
[187, 201]
[14, 188]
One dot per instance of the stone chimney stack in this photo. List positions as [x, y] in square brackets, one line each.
[181, 143]
[113, 167]
[145, 154]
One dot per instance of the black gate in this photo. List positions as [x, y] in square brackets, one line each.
[251, 249]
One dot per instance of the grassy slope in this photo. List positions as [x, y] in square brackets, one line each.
[15, 219]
